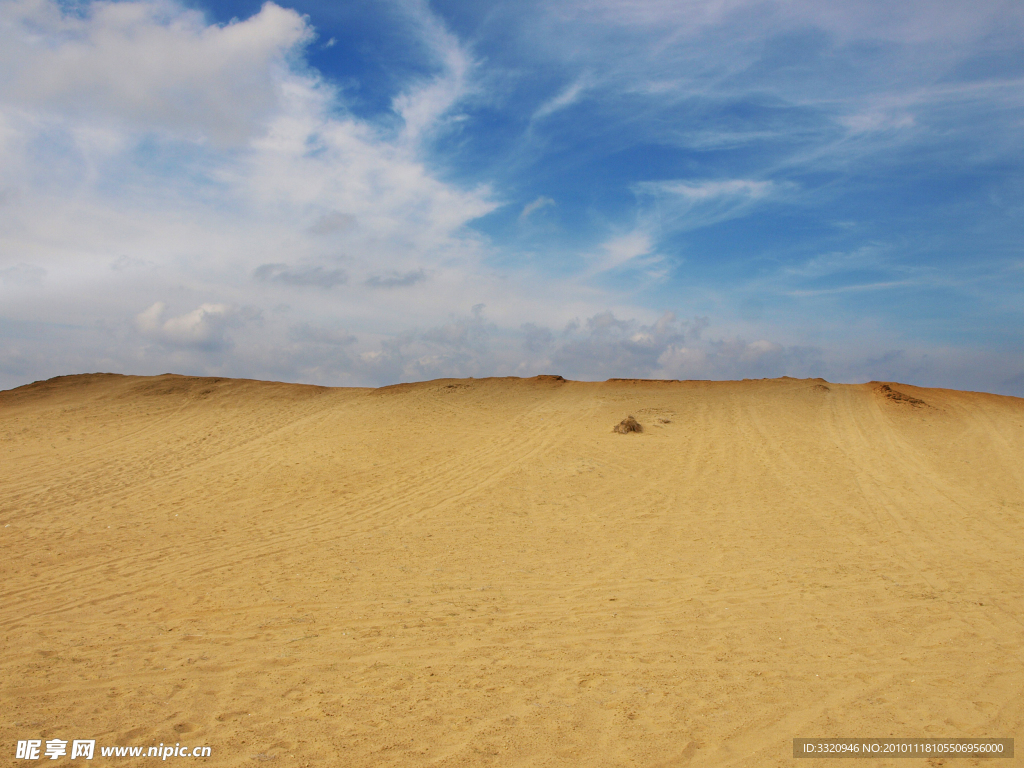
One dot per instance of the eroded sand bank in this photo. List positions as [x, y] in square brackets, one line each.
[481, 572]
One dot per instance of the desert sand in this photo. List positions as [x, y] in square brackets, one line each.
[484, 573]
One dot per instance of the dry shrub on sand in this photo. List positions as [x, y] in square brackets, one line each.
[627, 425]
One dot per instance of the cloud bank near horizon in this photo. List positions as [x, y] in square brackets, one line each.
[822, 192]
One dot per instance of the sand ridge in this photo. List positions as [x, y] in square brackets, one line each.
[482, 572]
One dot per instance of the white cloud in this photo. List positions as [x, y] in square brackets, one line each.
[396, 279]
[149, 64]
[22, 274]
[914, 21]
[678, 205]
[302, 276]
[877, 120]
[675, 206]
[710, 190]
[621, 250]
[536, 205]
[685, 15]
[305, 332]
[869, 256]
[125, 262]
[566, 98]
[222, 173]
[736, 358]
[856, 288]
[202, 328]
[672, 71]
[424, 105]
[120, 172]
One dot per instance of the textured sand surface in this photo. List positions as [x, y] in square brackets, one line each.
[482, 572]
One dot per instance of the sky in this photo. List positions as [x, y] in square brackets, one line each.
[376, 191]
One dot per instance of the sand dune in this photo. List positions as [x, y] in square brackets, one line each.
[482, 572]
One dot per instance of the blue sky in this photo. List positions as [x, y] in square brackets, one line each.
[361, 193]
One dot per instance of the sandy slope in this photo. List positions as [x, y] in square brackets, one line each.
[472, 573]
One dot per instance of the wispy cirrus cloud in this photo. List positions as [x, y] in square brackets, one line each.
[423, 105]
[532, 207]
[565, 98]
[681, 205]
[621, 250]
